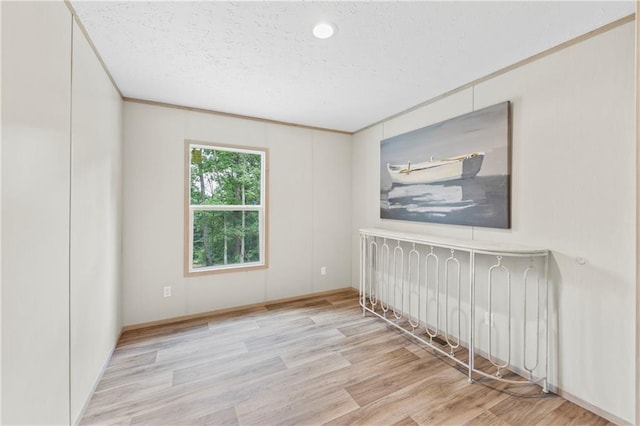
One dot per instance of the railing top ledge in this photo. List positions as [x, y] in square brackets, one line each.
[456, 243]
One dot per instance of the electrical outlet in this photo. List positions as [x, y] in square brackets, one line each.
[323, 270]
[167, 291]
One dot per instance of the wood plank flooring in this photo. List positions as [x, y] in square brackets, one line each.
[308, 362]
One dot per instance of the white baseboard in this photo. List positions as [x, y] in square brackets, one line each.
[588, 406]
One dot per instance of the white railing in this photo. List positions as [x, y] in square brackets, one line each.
[483, 305]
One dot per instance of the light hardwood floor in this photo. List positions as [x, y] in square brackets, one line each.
[306, 362]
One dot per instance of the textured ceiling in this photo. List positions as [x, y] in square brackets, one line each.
[260, 58]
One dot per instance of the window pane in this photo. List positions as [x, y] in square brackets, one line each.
[225, 238]
[220, 177]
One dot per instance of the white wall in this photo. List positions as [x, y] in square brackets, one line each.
[60, 215]
[573, 191]
[96, 142]
[36, 101]
[309, 213]
[0, 228]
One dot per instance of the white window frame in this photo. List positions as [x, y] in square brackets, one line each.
[261, 208]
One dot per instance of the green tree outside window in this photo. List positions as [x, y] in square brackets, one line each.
[226, 206]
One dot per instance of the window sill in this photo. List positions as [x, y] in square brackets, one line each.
[245, 267]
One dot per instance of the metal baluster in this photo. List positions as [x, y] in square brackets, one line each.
[472, 316]
[384, 255]
[373, 272]
[530, 268]
[363, 271]
[491, 358]
[545, 383]
[430, 255]
[410, 276]
[396, 250]
[446, 318]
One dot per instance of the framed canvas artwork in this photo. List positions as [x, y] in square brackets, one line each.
[453, 172]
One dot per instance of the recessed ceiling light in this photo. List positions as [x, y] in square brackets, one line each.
[324, 30]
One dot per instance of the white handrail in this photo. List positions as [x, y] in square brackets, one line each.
[484, 247]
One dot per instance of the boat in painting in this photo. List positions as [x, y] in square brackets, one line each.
[432, 171]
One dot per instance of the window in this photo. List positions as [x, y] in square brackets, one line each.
[226, 208]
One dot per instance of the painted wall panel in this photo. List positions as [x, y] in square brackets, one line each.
[331, 206]
[365, 189]
[443, 109]
[225, 290]
[227, 130]
[152, 212]
[0, 239]
[290, 209]
[96, 134]
[36, 99]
